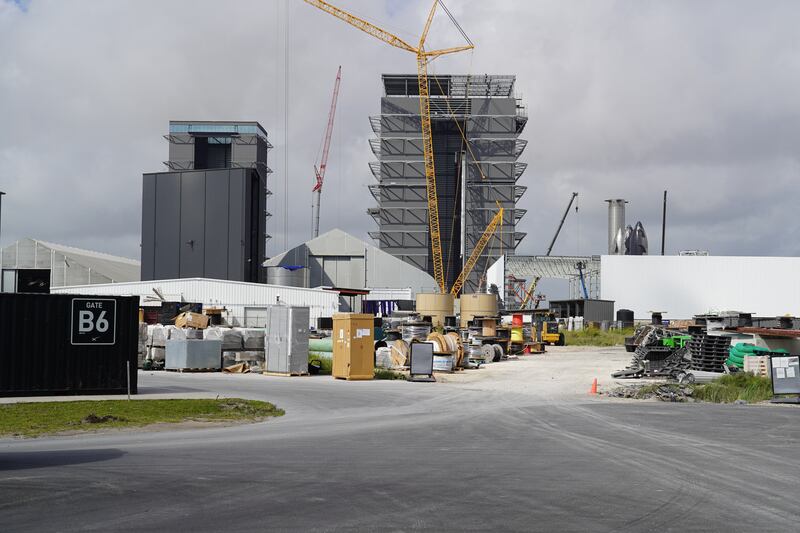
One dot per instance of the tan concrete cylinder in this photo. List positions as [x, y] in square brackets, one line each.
[435, 305]
[480, 304]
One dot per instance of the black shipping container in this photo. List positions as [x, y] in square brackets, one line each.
[67, 344]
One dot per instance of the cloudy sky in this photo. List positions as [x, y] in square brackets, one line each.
[626, 98]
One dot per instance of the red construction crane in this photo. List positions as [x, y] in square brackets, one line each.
[319, 171]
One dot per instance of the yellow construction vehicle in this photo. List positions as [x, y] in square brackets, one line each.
[550, 333]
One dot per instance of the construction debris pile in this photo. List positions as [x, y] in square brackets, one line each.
[657, 352]
[665, 393]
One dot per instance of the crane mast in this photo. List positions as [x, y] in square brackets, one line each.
[423, 57]
[319, 172]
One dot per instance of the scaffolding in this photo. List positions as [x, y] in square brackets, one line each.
[472, 178]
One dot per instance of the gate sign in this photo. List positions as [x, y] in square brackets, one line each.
[94, 321]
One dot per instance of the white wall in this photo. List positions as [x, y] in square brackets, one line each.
[684, 286]
[234, 295]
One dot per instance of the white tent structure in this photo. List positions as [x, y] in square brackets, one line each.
[67, 265]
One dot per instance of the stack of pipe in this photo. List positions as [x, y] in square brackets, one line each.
[321, 348]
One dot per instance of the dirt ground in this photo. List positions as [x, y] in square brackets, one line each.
[562, 371]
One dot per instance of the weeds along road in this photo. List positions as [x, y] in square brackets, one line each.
[506, 450]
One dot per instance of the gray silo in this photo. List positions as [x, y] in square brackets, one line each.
[616, 224]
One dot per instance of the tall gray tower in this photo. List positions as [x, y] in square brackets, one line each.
[206, 216]
[471, 177]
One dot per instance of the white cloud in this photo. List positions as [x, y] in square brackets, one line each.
[626, 98]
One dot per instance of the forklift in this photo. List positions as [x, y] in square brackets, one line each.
[547, 328]
[551, 335]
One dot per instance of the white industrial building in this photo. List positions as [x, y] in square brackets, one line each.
[337, 259]
[31, 259]
[244, 303]
[684, 286]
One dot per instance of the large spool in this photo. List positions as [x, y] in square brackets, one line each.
[437, 306]
[480, 304]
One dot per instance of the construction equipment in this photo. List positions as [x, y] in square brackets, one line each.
[319, 171]
[530, 291]
[580, 265]
[476, 252]
[423, 58]
[550, 333]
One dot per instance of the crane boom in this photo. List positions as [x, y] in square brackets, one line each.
[362, 25]
[319, 172]
[423, 57]
[476, 252]
[529, 292]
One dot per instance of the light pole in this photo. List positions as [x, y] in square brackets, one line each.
[1, 211]
[1, 234]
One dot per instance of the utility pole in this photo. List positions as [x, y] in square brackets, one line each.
[663, 222]
[1, 235]
[1, 213]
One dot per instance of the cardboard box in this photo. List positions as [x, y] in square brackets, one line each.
[191, 320]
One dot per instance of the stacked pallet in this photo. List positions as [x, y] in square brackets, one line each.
[708, 352]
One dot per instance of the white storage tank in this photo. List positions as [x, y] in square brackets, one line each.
[286, 276]
[478, 304]
[435, 305]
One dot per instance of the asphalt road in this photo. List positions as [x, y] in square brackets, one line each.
[402, 456]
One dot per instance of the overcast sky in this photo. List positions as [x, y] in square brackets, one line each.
[625, 98]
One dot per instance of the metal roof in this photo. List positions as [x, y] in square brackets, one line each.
[113, 267]
[457, 86]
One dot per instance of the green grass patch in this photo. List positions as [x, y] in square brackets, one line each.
[33, 419]
[382, 373]
[739, 386]
[597, 337]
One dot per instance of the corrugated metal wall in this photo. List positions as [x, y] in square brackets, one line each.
[235, 296]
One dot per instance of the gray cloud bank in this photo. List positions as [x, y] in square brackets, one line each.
[625, 98]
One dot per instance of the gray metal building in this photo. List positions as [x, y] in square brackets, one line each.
[590, 310]
[207, 216]
[471, 177]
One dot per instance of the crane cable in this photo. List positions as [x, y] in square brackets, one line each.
[455, 22]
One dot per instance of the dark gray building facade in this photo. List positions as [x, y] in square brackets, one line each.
[472, 177]
[207, 216]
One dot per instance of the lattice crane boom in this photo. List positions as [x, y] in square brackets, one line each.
[319, 171]
[423, 57]
[535, 282]
[477, 251]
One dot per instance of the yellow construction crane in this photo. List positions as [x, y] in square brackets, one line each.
[423, 58]
[476, 252]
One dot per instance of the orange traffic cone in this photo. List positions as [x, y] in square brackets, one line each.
[593, 390]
